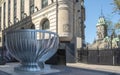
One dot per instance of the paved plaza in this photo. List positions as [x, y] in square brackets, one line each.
[70, 69]
[103, 68]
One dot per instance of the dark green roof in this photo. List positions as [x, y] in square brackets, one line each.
[101, 21]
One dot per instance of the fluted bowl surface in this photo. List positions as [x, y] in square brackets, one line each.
[31, 46]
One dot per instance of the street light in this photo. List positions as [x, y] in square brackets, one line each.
[112, 36]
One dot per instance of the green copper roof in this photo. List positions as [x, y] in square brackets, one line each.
[101, 21]
[107, 39]
[115, 39]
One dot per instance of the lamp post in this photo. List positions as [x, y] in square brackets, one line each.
[111, 40]
[112, 36]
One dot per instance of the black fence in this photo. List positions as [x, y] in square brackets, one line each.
[2, 61]
[58, 59]
[103, 57]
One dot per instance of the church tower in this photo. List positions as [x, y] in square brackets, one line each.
[101, 28]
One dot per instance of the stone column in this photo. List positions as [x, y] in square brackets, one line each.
[2, 16]
[64, 21]
[37, 4]
[19, 9]
[27, 7]
[6, 19]
[12, 11]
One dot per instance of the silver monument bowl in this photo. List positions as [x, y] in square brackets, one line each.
[31, 47]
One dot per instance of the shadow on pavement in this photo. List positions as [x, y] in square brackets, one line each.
[4, 73]
[65, 70]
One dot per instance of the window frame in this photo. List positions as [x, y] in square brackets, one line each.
[9, 13]
[31, 6]
[46, 24]
[15, 10]
[22, 8]
[4, 24]
[44, 3]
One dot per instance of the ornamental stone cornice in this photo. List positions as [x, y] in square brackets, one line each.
[49, 9]
[43, 12]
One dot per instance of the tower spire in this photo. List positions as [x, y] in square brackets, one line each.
[102, 12]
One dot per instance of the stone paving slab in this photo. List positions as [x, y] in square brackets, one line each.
[60, 70]
[106, 68]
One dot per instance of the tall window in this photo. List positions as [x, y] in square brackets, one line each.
[77, 0]
[0, 18]
[9, 12]
[22, 9]
[0, 39]
[45, 24]
[4, 16]
[15, 10]
[44, 3]
[31, 6]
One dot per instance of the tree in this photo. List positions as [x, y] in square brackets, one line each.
[117, 27]
[110, 26]
[116, 9]
[116, 4]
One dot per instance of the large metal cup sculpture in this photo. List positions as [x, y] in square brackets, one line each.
[31, 47]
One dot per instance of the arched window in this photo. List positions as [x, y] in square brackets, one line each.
[44, 3]
[45, 24]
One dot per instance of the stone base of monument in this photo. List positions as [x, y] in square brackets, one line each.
[10, 68]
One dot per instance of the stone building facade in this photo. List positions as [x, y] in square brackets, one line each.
[65, 17]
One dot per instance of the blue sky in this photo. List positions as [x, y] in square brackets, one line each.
[93, 11]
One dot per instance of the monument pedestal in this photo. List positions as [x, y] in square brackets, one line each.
[9, 68]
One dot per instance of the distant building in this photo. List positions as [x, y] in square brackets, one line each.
[101, 28]
[103, 40]
[65, 17]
